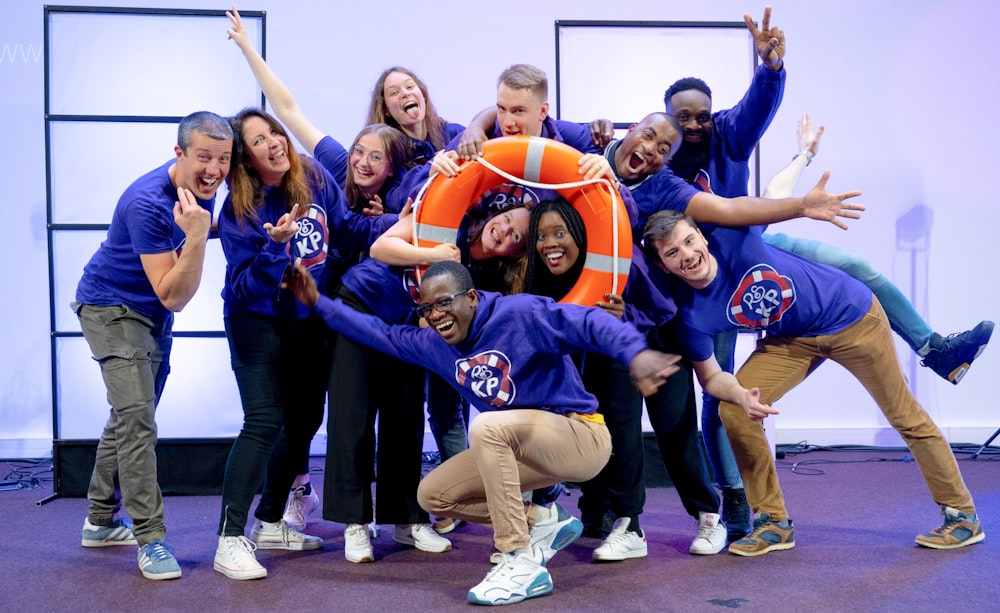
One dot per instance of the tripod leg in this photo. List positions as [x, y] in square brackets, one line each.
[986, 444]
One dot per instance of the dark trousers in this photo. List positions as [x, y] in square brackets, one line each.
[281, 369]
[620, 485]
[365, 384]
[673, 413]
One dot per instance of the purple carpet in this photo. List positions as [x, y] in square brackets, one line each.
[856, 514]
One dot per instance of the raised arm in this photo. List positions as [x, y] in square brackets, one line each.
[783, 183]
[818, 204]
[282, 101]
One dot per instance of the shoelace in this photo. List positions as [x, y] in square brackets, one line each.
[617, 537]
[241, 546]
[705, 532]
[158, 551]
[359, 536]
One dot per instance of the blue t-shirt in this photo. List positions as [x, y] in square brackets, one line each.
[760, 287]
[143, 223]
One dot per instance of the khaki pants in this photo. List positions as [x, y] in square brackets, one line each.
[867, 351]
[510, 452]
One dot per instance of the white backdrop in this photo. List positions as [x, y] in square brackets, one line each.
[900, 92]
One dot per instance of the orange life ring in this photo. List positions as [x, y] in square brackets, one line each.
[540, 160]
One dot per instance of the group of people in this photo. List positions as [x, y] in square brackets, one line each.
[321, 295]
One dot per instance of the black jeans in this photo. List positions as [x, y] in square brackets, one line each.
[620, 486]
[673, 413]
[281, 369]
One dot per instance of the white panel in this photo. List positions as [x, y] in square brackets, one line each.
[166, 65]
[72, 250]
[204, 312]
[93, 162]
[200, 398]
[620, 73]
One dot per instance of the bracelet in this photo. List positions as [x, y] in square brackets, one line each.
[809, 156]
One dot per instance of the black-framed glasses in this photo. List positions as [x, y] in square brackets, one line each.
[441, 305]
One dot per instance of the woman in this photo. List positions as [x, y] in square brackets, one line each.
[401, 100]
[368, 183]
[559, 239]
[281, 209]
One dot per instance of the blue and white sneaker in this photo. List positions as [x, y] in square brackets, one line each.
[555, 532]
[518, 576]
[156, 561]
[118, 532]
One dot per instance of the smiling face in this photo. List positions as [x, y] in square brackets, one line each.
[203, 166]
[369, 164]
[453, 323]
[684, 253]
[266, 150]
[646, 148]
[404, 101]
[555, 245]
[693, 109]
[505, 234]
[520, 111]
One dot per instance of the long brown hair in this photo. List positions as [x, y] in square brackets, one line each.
[378, 113]
[397, 151]
[246, 189]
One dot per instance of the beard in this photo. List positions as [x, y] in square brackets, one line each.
[689, 159]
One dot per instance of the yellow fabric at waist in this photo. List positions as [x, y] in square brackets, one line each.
[596, 418]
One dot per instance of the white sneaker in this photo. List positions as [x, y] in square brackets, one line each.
[554, 530]
[299, 506]
[421, 536]
[517, 576]
[357, 547]
[444, 525]
[235, 559]
[279, 535]
[711, 535]
[622, 543]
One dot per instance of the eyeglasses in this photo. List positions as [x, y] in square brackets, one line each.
[441, 305]
[373, 156]
[701, 118]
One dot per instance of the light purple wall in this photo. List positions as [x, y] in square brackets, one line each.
[903, 89]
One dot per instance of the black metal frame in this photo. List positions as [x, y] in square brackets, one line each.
[49, 118]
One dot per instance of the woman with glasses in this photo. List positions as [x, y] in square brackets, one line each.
[370, 170]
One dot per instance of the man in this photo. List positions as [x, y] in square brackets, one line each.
[538, 426]
[638, 160]
[147, 268]
[811, 312]
[714, 157]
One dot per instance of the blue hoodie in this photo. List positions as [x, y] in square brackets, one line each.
[516, 353]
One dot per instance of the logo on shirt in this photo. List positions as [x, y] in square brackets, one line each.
[309, 245]
[506, 196]
[488, 376]
[761, 298]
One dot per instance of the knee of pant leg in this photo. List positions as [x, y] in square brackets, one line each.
[429, 498]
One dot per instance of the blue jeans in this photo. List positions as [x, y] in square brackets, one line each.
[720, 454]
[903, 318]
[448, 417]
[134, 354]
[281, 369]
